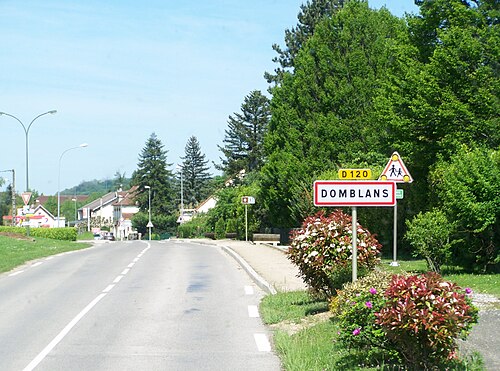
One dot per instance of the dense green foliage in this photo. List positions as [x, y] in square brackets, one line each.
[63, 234]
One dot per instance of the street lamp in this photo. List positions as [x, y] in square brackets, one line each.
[179, 167]
[150, 225]
[26, 132]
[13, 191]
[83, 145]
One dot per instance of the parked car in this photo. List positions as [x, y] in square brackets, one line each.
[109, 236]
[97, 236]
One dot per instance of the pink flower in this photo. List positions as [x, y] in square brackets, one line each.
[356, 331]
[373, 291]
[369, 304]
[468, 290]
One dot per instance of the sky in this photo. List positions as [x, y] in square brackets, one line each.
[118, 70]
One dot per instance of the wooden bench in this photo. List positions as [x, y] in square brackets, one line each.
[266, 238]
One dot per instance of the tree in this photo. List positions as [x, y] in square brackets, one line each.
[469, 194]
[243, 143]
[194, 172]
[152, 170]
[323, 113]
[120, 181]
[309, 16]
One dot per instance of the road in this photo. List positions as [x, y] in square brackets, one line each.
[133, 306]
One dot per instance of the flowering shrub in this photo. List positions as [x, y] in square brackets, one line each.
[356, 305]
[423, 316]
[322, 250]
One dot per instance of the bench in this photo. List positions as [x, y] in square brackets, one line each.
[266, 238]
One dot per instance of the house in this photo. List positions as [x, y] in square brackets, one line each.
[123, 209]
[206, 205]
[39, 217]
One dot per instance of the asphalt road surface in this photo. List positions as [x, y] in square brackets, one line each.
[133, 306]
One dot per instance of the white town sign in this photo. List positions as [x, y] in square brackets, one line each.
[354, 193]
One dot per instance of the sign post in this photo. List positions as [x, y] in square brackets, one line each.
[396, 171]
[354, 194]
[247, 200]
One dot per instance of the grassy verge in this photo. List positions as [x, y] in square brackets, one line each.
[17, 250]
[305, 334]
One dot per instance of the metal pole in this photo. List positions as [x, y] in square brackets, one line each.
[354, 244]
[394, 262]
[149, 213]
[59, 183]
[246, 222]
[26, 132]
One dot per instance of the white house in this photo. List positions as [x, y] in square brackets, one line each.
[123, 209]
[39, 217]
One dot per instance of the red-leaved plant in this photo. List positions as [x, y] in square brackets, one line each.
[424, 316]
[322, 250]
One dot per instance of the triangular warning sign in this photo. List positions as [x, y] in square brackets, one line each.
[396, 171]
[26, 197]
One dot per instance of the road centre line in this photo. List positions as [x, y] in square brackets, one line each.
[130, 265]
[108, 289]
[125, 271]
[39, 358]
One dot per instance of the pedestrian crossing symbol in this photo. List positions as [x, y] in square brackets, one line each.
[396, 171]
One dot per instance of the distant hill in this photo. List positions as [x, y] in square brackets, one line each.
[96, 186]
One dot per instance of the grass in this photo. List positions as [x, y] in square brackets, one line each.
[15, 251]
[314, 346]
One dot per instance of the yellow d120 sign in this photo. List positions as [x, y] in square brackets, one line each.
[355, 174]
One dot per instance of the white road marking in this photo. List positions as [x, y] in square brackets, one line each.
[37, 264]
[130, 265]
[135, 260]
[248, 290]
[109, 288]
[39, 358]
[16, 273]
[125, 271]
[117, 279]
[263, 344]
[253, 311]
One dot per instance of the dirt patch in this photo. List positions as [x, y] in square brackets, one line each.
[291, 327]
[17, 236]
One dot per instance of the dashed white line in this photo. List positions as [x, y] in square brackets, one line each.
[125, 271]
[253, 311]
[130, 265]
[117, 279]
[248, 290]
[263, 344]
[136, 260]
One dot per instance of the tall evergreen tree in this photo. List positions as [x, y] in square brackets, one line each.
[309, 16]
[152, 170]
[195, 173]
[244, 140]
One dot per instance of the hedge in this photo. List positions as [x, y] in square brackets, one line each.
[65, 234]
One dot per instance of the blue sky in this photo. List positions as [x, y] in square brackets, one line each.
[116, 71]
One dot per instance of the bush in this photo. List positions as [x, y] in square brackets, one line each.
[220, 229]
[64, 234]
[322, 250]
[422, 318]
[429, 234]
[194, 228]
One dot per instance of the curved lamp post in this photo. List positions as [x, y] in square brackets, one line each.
[83, 145]
[26, 132]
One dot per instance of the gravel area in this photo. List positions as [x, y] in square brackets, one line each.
[484, 336]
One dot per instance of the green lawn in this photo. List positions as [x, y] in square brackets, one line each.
[15, 251]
